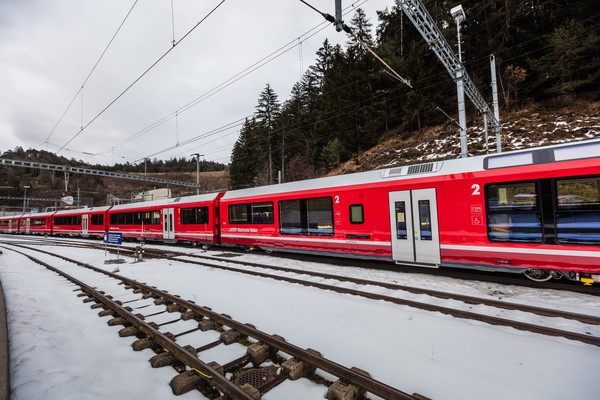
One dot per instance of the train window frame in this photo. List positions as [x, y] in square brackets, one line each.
[352, 216]
[248, 210]
[67, 220]
[307, 218]
[39, 221]
[573, 210]
[199, 216]
[512, 212]
[96, 219]
[424, 212]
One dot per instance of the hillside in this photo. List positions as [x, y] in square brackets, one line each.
[528, 127]
[547, 56]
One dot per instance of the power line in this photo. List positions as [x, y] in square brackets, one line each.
[140, 77]
[348, 30]
[88, 77]
[228, 82]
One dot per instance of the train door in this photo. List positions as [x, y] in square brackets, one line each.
[414, 227]
[27, 225]
[84, 224]
[168, 223]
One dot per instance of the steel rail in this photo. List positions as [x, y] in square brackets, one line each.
[208, 373]
[524, 326]
[584, 318]
[369, 384]
[435, 293]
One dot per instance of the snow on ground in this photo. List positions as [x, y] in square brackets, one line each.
[436, 355]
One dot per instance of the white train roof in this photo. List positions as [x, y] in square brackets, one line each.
[39, 215]
[539, 155]
[166, 202]
[81, 210]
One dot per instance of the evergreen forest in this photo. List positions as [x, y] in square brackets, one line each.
[346, 102]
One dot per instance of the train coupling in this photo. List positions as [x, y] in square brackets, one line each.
[588, 279]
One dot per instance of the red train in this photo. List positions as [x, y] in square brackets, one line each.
[533, 211]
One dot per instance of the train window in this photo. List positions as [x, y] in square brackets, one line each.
[4, 222]
[252, 213]
[238, 214]
[97, 219]
[319, 214]
[513, 212]
[154, 218]
[512, 196]
[133, 218]
[306, 217]
[357, 214]
[37, 221]
[196, 215]
[262, 213]
[425, 220]
[577, 210]
[70, 220]
[400, 207]
[290, 217]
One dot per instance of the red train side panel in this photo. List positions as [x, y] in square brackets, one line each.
[529, 210]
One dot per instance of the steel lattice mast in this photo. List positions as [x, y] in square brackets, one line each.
[421, 19]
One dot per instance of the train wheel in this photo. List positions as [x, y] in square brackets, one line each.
[538, 275]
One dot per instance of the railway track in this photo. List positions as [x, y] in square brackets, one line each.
[492, 311]
[500, 278]
[249, 380]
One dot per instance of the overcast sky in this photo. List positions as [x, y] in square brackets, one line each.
[49, 47]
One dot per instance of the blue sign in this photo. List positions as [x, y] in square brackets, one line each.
[113, 237]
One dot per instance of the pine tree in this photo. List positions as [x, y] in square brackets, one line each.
[266, 113]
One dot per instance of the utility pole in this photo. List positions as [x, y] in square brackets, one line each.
[495, 103]
[339, 24]
[25, 197]
[197, 171]
[459, 16]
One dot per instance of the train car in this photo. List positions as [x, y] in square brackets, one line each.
[39, 224]
[17, 224]
[94, 221]
[6, 224]
[533, 211]
[68, 223]
[191, 218]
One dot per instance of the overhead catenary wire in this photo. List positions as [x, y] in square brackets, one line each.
[228, 82]
[80, 91]
[348, 30]
[422, 88]
[141, 76]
